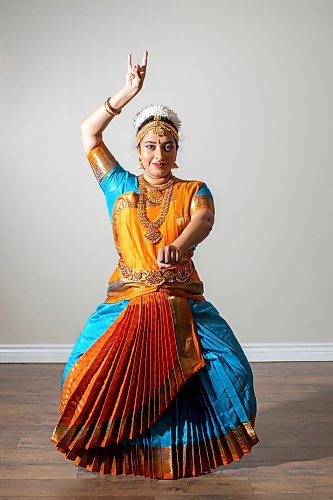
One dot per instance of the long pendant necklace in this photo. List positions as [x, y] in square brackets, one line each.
[152, 193]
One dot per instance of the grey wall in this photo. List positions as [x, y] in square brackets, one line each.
[251, 81]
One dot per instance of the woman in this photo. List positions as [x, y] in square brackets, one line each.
[157, 383]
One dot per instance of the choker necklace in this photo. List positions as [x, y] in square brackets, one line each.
[152, 193]
[147, 191]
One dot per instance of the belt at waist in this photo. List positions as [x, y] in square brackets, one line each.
[179, 273]
[127, 283]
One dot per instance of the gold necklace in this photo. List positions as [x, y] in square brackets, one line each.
[153, 234]
[152, 192]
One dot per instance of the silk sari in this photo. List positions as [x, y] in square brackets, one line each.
[157, 384]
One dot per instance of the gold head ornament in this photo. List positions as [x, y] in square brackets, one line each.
[159, 127]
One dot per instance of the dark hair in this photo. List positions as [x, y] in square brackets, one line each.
[162, 119]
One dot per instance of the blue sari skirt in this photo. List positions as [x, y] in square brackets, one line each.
[198, 412]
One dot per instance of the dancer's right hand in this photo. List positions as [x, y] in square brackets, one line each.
[135, 74]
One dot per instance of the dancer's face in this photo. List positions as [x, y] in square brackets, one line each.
[153, 149]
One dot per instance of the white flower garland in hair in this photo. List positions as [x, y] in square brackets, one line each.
[156, 109]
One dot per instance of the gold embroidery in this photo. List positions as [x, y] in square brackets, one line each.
[201, 201]
[124, 201]
[172, 462]
[156, 276]
[101, 161]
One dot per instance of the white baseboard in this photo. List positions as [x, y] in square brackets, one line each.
[270, 351]
[291, 351]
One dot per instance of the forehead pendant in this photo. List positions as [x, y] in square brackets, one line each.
[158, 128]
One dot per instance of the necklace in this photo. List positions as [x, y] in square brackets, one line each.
[153, 193]
[147, 191]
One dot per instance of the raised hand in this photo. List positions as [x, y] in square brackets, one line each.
[136, 73]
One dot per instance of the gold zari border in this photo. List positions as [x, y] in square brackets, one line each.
[156, 276]
[176, 462]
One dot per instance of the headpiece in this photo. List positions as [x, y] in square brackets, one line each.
[157, 118]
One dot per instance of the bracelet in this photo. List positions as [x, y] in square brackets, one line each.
[110, 109]
[106, 109]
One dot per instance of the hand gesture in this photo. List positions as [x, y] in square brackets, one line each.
[136, 74]
[168, 255]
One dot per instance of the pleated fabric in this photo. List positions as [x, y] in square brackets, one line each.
[97, 323]
[163, 390]
[123, 383]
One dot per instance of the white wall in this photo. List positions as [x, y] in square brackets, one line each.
[251, 81]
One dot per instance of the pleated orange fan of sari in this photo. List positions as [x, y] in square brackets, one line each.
[130, 375]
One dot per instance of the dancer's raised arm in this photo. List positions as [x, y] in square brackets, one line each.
[93, 126]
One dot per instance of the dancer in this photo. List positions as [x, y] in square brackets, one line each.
[157, 384]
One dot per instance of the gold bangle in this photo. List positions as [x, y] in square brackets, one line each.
[110, 108]
[106, 109]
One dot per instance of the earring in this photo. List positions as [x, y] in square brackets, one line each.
[140, 166]
[175, 165]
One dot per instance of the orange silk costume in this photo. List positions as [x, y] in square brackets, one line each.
[129, 376]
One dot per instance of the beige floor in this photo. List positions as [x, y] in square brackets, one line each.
[293, 460]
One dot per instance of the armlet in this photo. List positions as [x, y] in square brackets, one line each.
[201, 201]
[101, 161]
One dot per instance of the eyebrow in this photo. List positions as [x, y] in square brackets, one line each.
[154, 142]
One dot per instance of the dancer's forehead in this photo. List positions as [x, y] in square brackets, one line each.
[151, 138]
